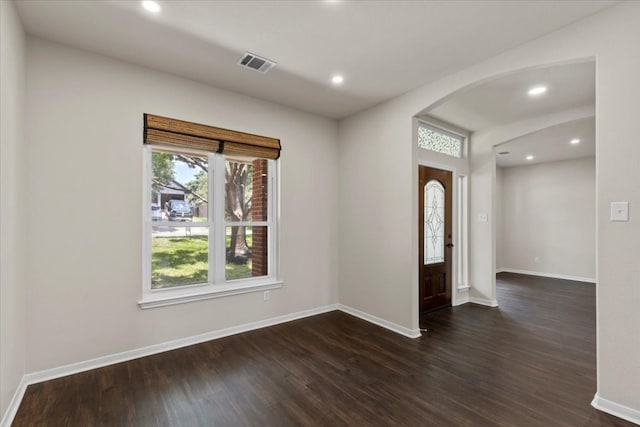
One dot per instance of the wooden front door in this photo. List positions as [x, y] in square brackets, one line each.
[435, 202]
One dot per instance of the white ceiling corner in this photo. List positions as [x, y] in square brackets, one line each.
[383, 48]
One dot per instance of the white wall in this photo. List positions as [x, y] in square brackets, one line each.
[82, 292]
[484, 165]
[84, 205]
[12, 284]
[548, 212]
[376, 227]
[375, 191]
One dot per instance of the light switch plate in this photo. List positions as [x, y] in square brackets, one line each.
[619, 211]
[483, 217]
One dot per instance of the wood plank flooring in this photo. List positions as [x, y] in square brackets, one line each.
[530, 362]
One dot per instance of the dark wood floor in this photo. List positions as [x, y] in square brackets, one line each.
[530, 362]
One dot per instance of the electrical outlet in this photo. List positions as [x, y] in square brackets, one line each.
[536, 260]
[266, 296]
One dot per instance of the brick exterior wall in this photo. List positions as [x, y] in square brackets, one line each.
[259, 207]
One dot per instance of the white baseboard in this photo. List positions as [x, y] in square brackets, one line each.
[484, 301]
[550, 275]
[411, 333]
[462, 298]
[99, 362]
[12, 409]
[74, 368]
[615, 409]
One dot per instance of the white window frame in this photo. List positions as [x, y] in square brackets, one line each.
[217, 285]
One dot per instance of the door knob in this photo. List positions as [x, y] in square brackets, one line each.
[450, 245]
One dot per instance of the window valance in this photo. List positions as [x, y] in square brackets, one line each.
[160, 130]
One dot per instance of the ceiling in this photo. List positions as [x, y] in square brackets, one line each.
[505, 100]
[383, 48]
[550, 144]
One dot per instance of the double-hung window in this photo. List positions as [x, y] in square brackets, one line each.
[209, 212]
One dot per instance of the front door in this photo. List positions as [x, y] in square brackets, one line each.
[435, 195]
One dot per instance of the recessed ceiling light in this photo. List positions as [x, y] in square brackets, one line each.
[529, 157]
[575, 141]
[151, 6]
[337, 79]
[538, 90]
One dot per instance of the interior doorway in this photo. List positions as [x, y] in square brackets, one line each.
[435, 195]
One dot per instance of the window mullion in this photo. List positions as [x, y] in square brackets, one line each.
[217, 187]
[247, 223]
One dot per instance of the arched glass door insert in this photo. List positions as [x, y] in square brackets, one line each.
[434, 222]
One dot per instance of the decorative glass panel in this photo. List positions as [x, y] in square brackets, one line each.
[433, 222]
[439, 141]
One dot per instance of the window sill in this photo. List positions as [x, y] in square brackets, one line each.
[161, 299]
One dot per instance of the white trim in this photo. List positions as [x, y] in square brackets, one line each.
[99, 362]
[272, 238]
[12, 409]
[411, 333]
[245, 224]
[550, 275]
[616, 409]
[216, 285]
[462, 299]
[484, 301]
[436, 165]
[462, 218]
[146, 217]
[211, 291]
[464, 288]
[180, 224]
[74, 368]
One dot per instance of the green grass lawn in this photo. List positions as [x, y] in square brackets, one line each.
[177, 261]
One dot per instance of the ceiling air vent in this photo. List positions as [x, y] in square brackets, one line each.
[256, 63]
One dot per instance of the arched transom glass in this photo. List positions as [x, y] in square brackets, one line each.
[433, 222]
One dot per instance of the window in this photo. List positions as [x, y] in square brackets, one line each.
[209, 223]
[439, 140]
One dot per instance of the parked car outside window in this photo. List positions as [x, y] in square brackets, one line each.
[179, 210]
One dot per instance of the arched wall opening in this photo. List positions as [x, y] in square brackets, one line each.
[377, 146]
[456, 110]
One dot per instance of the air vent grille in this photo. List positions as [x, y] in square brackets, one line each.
[256, 63]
